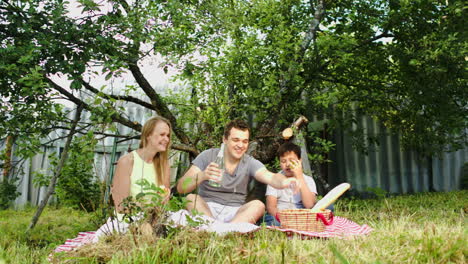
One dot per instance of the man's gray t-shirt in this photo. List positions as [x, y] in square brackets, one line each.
[233, 191]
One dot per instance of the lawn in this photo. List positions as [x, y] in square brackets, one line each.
[419, 228]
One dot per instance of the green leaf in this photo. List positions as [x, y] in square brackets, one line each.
[75, 85]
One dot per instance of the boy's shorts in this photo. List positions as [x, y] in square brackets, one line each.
[223, 213]
[271, 220]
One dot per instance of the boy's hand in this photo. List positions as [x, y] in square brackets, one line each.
[296, 167]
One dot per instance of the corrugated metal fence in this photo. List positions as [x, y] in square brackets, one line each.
[390, 168]
[25, 169]
[386, 167]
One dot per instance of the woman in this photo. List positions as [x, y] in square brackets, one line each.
[149, 162]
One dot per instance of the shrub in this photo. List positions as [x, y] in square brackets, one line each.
[8, 192]
[76, 186]
[464, 178]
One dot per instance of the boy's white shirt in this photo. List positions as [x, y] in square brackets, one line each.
[283, 195]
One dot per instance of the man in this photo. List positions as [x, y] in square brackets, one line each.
[289, 155]
[227, 203]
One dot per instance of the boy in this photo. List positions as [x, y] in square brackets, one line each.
[289, 155]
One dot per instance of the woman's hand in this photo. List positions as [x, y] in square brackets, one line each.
[166, 193]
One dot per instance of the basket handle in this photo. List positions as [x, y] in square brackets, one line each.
[324, 220]
[277, 217]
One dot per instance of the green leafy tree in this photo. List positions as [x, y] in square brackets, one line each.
[402, 62]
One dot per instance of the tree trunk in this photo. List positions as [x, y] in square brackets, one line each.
[58, 170]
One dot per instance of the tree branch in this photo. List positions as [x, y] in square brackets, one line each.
[310, 36]
[159, 105]
[124, 5]
[185, 148]
[116, 117]
[95, 132]
[314, 24]
[117, 97]
[377, 37]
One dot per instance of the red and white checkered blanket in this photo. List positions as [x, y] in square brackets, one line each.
[82, 239]
[341, 228]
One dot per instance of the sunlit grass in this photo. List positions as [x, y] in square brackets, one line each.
[421, 228]
[53, 228]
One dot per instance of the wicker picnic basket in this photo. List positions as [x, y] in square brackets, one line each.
[305, 219]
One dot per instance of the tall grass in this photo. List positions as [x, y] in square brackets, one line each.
[53, 228]
[420, 228]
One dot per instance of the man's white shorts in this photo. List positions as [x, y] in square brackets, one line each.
[223, 213]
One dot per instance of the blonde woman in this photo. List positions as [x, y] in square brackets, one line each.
[149, 162]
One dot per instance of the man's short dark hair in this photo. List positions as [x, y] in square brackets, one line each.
[287, 147]
[236, 123]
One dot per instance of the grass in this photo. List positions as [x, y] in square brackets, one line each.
[420, 228]
[52, 229]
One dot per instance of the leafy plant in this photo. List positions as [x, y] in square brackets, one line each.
[152, 205]
[77, 187]
[8, 192]
[464, 178]
[41, 177]
[378, 192]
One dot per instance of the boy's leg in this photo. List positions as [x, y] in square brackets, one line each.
[271, 220]
[196, 202]
[249, 212]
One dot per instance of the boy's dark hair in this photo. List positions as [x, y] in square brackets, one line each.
[287, 147]
[236, 123]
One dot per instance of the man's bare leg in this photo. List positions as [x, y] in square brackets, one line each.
[249, 212]
[196, 202]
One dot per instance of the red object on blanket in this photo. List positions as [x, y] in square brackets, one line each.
[340, 228]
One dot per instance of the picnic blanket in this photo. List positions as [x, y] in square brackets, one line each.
[71, 244]
[341, 228]
[179, 218]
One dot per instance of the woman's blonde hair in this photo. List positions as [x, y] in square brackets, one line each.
[161, 159]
